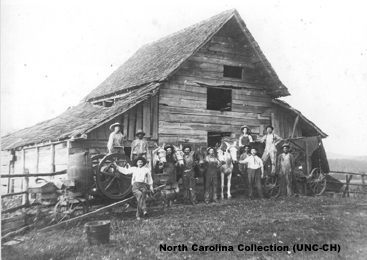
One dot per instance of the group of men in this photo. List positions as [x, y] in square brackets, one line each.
[253, 166]
[250, 164]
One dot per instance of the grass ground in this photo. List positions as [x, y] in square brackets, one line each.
[315, 220]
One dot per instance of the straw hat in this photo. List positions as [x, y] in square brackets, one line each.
[112, 127]
[140, 132]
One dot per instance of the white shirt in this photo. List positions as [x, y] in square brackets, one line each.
[253, 162]
[139, 174]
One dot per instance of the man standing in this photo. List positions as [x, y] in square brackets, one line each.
[116, 140]
[242, 167]
[188, 176]
[285, 167]
[271, 140]
[139, 147]
[255, 171]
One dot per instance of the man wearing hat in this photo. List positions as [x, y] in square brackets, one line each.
[242, 167]
[255, 171]
[116, 140]
[139, 147]
[285, 167]
[245, 138]
[141, 181]
[188, 176]
[271, 140]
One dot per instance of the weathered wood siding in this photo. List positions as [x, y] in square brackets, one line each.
[183, 114]
[142, 116]
[284, 123]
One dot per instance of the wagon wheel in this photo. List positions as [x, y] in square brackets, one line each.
[317, 181]
[110, 182]
[66, 208]
[272, 187]
[96, 159]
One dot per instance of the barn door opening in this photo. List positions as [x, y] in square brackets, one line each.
[216, 137]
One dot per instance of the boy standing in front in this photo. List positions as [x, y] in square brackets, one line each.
[285, 165]
[255, 172]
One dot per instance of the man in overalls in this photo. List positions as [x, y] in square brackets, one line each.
[285, 166]
[271, 140]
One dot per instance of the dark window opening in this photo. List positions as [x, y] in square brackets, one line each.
[108, 103]
[215, 138]
[232, 72]
[219, 99]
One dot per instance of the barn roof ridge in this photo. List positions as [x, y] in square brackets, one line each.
[158, 60]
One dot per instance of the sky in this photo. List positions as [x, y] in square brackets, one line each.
[53, 53]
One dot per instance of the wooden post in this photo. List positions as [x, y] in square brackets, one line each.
[9, 170]
[52, 158]
[295, 126]
[307, 160]
[364, 187]
[273, 120]
[25, 185]
[347, 180]
[37, 159]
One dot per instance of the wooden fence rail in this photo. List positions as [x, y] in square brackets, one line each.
[32, 175]
[25, 203]
[348, 183]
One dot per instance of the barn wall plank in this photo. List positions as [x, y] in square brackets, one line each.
[183, 116]
[139, 117]
[154, 116]
[132, 123]
[146, 117]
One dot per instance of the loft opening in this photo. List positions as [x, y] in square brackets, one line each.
[232, 72]
[219, 99]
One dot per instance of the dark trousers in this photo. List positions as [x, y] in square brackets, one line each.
[140, 190]
[189, 183]
[211, 184]
[254, 177]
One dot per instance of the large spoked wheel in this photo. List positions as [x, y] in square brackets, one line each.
[272, 186]
[96, 159]
[110, 182]
[317, 181]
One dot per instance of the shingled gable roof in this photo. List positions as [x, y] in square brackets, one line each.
[75, 121]
[156, 61]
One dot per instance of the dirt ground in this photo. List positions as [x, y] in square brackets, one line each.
[284, 222]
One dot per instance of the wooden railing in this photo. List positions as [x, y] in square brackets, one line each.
[347, 183]
[26, 176]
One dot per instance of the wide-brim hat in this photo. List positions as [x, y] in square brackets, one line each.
[245, 126]
[135, 163]
[169, 146]
[186, 146]
[140, 132]
[207, 149]
[249, 147]
[286, 145]
[115, 124]
[269, 126]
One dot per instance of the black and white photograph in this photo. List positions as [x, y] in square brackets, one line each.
[183, 129]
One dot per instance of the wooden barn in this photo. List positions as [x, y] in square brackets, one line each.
[191, 87]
